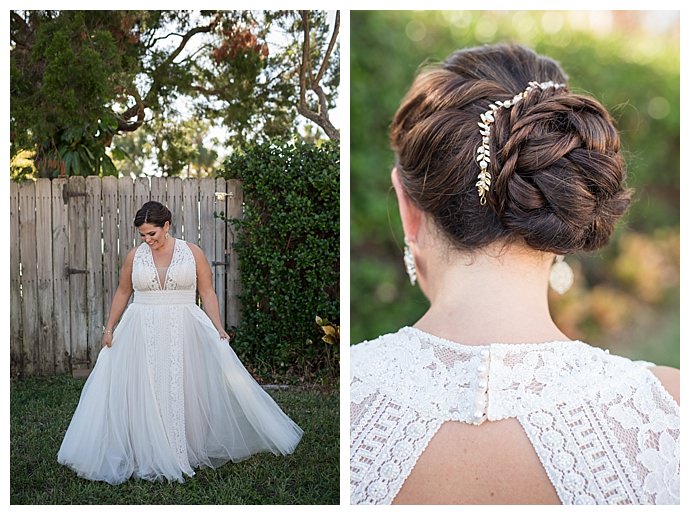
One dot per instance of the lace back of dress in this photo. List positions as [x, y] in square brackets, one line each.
[603, 427]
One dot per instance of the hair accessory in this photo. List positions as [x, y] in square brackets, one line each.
[408, 258]
[483, 153]
[561, 276]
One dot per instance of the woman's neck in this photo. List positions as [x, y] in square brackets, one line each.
[490, 297]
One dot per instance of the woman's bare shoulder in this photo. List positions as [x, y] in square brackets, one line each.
[129, 258]
[670, 379]
[196, 250]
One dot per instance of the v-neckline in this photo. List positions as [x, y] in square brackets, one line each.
[167, 271]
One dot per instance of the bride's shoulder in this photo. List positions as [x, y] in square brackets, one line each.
[137, 249]
[188, 243]
[379, 344]
[196, 251]
[669, 378]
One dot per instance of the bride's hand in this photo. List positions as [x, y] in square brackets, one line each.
[107, 340]
[223, 335]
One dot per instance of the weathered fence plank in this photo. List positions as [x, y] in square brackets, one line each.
[190, 210]
[219, 271]
[110, 237]
[27, 250]
[78, 273]
[142, 194]
[44, 260]
[233, 285]
[61, 290]
[158, 189]
[207, 240]
[94, 265]
[16, 362]
[174, 187]
[125, 190]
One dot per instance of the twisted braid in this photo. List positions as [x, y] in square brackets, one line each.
[557, 175]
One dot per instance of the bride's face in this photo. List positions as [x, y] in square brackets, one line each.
[152, 235]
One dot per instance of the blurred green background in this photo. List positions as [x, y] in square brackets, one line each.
[626, 297]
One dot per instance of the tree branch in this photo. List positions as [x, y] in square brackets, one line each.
[331, 44]
[156, 74]
[305, 59]
[22, 32]
[185, 40]
[320, 117]
[153, 41]
[123, 123]
[194, 54]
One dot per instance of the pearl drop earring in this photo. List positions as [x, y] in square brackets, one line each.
[410, 266]
[561, 276]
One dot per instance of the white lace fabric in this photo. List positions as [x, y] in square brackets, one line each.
[163, 341]
[180, 274]
[603, 427]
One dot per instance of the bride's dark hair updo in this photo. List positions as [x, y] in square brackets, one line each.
[153, 213]
[557, 172]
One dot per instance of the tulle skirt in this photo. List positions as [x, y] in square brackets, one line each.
[170, 396]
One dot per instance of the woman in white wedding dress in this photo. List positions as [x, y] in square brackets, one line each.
[168, 394]
[501, 171]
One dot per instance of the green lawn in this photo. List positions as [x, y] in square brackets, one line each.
[42, 408]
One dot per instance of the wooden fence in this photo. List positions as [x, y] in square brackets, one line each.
[69, 238]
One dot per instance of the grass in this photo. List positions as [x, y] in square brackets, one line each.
[41, 409]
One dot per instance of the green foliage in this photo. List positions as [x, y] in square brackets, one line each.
[75, 70]
[81, 149]
[22, 166]
[289, 255]
[65, 70]
[635, 75]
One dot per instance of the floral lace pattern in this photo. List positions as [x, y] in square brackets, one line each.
[604, 428]
[180, 275]
[164, 346]
[144, 273]
[176, 397]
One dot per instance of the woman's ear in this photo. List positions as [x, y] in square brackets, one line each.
[410, 214]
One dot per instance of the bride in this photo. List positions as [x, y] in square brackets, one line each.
[502, 170]
[168, 394]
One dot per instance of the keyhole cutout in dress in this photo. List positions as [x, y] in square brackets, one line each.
[163, 269]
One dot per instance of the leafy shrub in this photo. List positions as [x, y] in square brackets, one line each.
[289, 255]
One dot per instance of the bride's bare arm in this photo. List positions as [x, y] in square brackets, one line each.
[204, 283]
[122, 295]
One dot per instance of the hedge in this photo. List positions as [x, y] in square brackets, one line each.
[288, 245]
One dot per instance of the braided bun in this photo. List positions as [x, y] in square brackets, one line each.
[557, 172]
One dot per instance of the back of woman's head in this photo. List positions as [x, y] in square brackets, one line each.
[153, 213]
[557, 175]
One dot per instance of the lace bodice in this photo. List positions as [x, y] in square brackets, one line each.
[604, 428]
[180, 275]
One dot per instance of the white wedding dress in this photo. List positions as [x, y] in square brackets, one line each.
[604, 428]
[169, 395]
